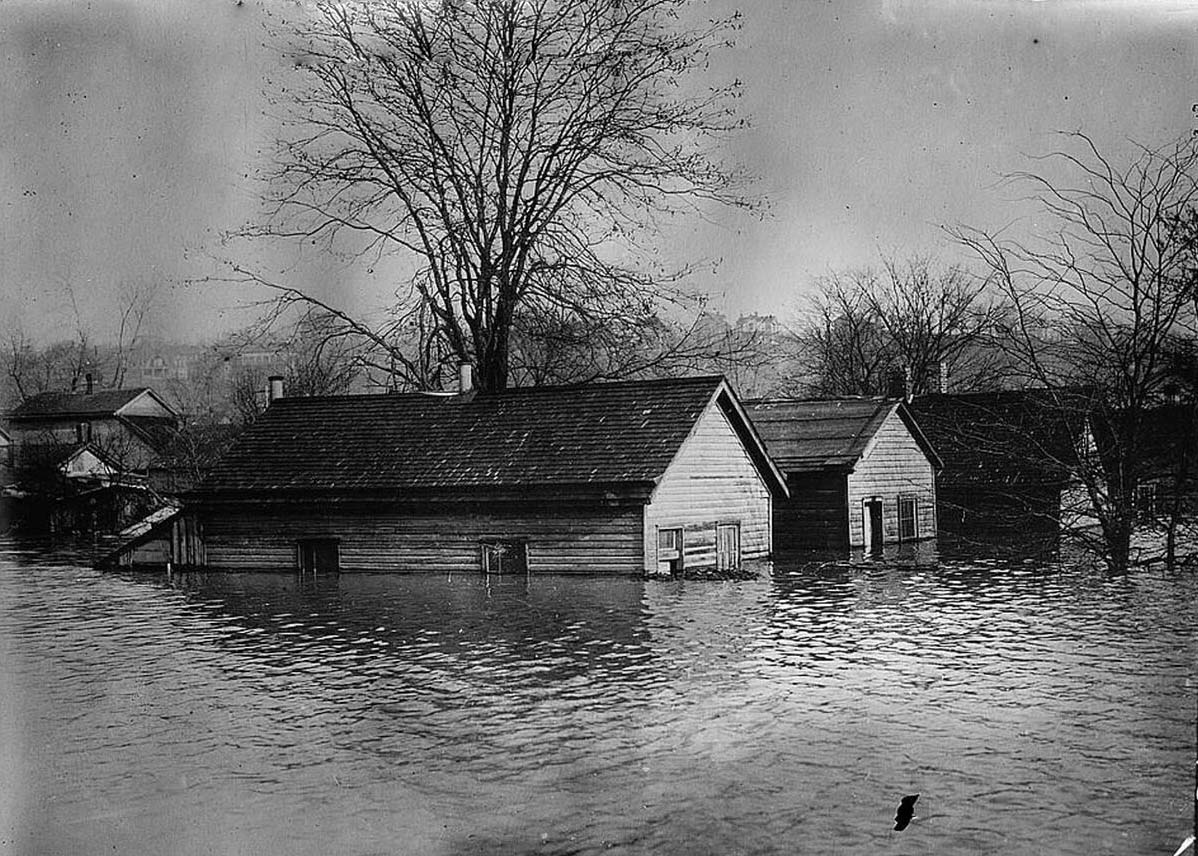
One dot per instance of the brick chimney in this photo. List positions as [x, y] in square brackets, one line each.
[91, 384]
[465, 377]
[274, 389]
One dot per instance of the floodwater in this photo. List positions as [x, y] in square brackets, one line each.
[1035, 709]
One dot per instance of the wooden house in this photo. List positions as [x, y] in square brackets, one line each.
[623, 478]
[1009, 462]
[127, 427]
[860, 472]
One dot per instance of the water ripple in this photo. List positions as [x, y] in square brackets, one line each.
[1036, 709]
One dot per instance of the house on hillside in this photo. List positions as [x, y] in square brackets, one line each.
[860, 472]
[624, 478]
[127, 428]
[1010, 461]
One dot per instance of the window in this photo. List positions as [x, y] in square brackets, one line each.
[156, 368]
[504, 557]
[317, 555]
[727, 546]
[908, 518]
[83, 432]
[669, 550]
[1146, 501]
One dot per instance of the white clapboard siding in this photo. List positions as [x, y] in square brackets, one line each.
[712, 480]
[893, 465]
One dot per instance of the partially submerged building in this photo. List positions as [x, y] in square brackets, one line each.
[622, 478]
[860, 472]
[1010, 462]
[128, 428]
[80, 460]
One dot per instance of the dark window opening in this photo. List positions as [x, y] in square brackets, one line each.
[908, 518]
[83, 432]
[1146, 501]
[504, 557]
[317, 555]
[669, 550]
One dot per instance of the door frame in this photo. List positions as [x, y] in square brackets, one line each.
[874, 534]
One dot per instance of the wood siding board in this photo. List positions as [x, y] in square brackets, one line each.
[712, 480]
[894, 465]
[602, 541]
[815, 516]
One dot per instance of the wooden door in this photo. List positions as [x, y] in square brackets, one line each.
[727, 546]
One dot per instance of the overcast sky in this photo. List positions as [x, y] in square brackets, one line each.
[130, 132]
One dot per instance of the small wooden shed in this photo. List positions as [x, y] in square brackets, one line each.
[621, 478]
[860, 472]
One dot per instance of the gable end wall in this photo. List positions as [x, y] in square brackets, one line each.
[893, 466]
[712, 480]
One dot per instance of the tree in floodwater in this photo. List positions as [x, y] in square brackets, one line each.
[1099, 299]
[520, 151]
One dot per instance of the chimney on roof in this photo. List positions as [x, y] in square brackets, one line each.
[942, 377]
[465, 377]
[91, 386]
[274, 389]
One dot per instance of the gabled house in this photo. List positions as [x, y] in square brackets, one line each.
[1010, 460]
[127, 427]
[860, 472]
[623, 478]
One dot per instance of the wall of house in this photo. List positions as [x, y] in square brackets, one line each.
[560, 540]
[146, 405]
[108, 435]
[815, 517]
[893, 466]
[711, 481]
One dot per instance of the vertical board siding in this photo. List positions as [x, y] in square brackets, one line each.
[712, 480]
[893, 466]
[816, 515]
[602, 540]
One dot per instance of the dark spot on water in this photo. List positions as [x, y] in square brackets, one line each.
[906, 810]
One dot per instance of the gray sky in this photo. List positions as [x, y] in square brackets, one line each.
[130, 131]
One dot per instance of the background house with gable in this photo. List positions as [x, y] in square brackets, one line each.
[622, 478]
[128, 428]
[860, 472]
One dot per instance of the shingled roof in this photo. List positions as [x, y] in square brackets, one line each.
[48, 405]
[833, 434]
[1009, 437]
[589, 437]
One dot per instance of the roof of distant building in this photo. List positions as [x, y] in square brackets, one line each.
[108, 402]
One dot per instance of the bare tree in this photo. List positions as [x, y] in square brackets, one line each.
[133, 304]
[1097, 301]
[913, 318]
[517, 149]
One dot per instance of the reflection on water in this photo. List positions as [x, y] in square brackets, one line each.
[1037, 710]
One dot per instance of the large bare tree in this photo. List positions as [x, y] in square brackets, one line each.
[1100, 296]
[522, 152]
[913, 317]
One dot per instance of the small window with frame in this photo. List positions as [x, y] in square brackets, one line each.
[669, 551]
[504, 557]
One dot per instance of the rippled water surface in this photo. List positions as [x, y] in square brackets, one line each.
[1036, 710]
